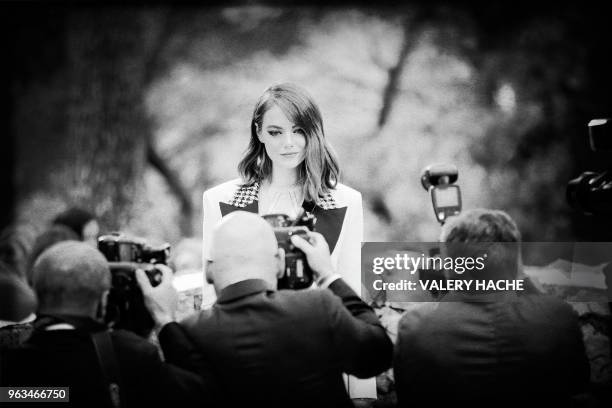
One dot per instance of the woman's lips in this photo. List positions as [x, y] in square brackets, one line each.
[289, 154]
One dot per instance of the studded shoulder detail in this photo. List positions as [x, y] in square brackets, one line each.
[245, 195]
[327, 202]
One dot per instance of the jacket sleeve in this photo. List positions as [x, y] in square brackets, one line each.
[358, 336]
[211, 215]
[406, 357]
[181, 354]
[209, 219]
[149, 381]
[179, 349]
[349, 251]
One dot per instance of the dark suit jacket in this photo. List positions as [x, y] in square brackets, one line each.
[284, 348]
[68, 358]
[489, 350]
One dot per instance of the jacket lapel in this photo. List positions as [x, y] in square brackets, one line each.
[329, 222]
[329, 217]
[244, 199]
[228, 208]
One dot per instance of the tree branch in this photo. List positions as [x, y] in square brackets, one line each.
[394, 75]
[176, 186]
[164, 20]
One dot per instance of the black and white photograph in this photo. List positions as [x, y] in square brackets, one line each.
[306, 204]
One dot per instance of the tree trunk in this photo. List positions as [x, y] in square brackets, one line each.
[106, 124]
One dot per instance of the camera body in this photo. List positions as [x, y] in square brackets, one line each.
[591, 192]
[125, 307]
[298, 274]
[438, 180]
[118, 247]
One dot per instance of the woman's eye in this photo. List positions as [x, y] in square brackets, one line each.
[274, 132]
[299, 131]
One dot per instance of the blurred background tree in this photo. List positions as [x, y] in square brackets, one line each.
[82, 132]
[134, 111]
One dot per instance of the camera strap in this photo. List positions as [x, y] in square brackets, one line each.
[108, 363]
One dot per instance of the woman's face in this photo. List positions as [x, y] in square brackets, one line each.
[285, 142]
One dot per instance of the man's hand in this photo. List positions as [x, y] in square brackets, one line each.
[161, 300]
[317, 253]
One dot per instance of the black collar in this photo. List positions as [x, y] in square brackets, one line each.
[83, 323]
[243, 288]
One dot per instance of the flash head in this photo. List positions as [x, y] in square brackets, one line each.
[438, 174]
[438, 180]
[600, 135]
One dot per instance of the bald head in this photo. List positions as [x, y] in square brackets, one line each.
[70, 277]
[243, 247]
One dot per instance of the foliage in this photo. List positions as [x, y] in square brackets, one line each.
[504, 104]
[456, 103]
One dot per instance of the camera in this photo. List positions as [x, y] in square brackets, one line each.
[591, 192]
[298, 274]
[118, 247]
[125, 307]
[438, 180]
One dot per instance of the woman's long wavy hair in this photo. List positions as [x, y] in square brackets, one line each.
[319, 171]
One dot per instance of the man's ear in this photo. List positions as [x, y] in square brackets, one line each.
[209, 275]
[101, 312]
[280, 263]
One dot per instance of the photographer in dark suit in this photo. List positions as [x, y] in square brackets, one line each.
[488, 347]
[71, 348]
[277, 348]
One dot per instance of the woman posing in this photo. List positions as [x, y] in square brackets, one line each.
[289, 166]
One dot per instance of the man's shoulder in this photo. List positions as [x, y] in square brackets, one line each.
[549, 308]
[312, 304]
[290, 301]
[532, 309]
[306, 297]
[196, 319]
[416, 315]
[127, 342]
